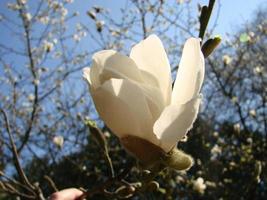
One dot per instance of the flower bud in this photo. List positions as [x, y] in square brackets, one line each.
[178, 160]
[210, 45]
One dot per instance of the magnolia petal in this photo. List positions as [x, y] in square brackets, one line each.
[86, 75]
[154, 100]
[123, 107]
[150, 56]
[109, 64]
[175, 121]
[190, 74]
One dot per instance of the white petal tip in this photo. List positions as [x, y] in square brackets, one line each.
[86, 74]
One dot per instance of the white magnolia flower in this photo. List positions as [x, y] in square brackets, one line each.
[134, 96]
[199, 185]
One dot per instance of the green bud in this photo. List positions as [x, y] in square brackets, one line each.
[178, 160]
[210, 45]
[97, 134]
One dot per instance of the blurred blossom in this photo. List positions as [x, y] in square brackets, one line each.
[252, 113]
[1, 17]
[48, 46]
[107, 134]
[249, 140]
[23, 1]
[31, 97]
[251, 34]
[55, 5]
[215, 134]
[99, 25]
[84, 168]
[234, 99]
[227, 180]
[27, 16]
[199, 162]
[60, 69]
[258, 70]
[36, 81]
[237, 127]
[79, 27]
[215, 152]
[76, 37]
[210, 184]
[69, 1]
[114, 32]
[13, 6]
[221, 140]
[227, 59]
[44, 19]
[199, 185]
[58, 141]
[64, 12]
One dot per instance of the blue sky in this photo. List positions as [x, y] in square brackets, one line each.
[231, 17]
[233, 13]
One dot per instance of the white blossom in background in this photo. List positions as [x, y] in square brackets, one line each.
[258, 70]
[252, 113]
[215, 134]
[76, 37]
[31, 97]
[58, 141]
[64, 12]
[234, 99]
[250, 140]
[99, 25]
[23, 1]
[227, 59]
[199, 185]
[69, 1]
[215, 152]
[27, 16]
[36, 81]
[134, 96]
[237, 127]
[13, 6]
[48, 46]
[44, 19]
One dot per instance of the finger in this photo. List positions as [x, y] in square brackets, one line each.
[66, 194]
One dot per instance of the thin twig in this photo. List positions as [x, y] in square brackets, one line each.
[108, 183]
[14, 152]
